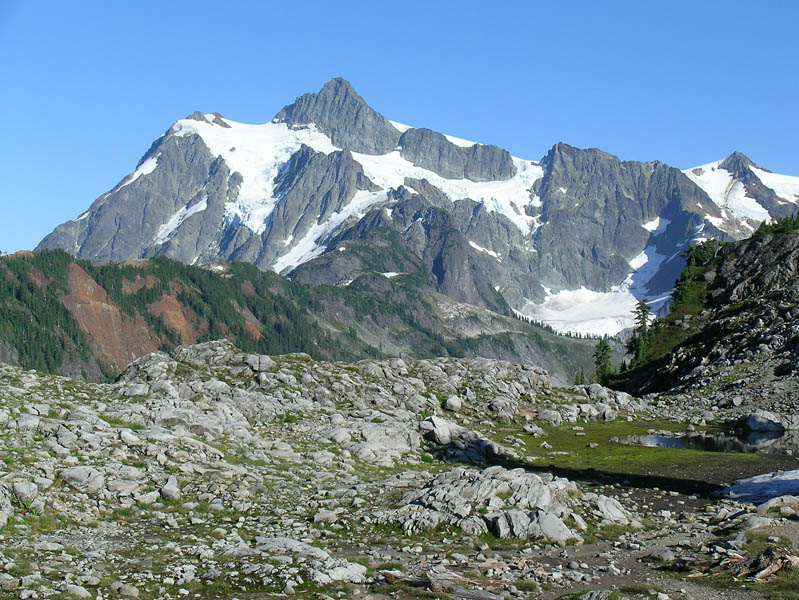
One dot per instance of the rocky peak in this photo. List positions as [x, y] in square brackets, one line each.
[344, 116]
[433, 151]
[738, 164]
[563, 152]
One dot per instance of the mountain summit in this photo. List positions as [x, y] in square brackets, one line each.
[341, 114]
[330, 189]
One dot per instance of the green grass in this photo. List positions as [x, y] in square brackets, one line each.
[757, 542]
[607, 532]
[405, 591]
[121, 423]
[570, 452]
[784, 586]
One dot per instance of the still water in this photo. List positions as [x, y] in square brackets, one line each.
[767, 442]
[754, 489]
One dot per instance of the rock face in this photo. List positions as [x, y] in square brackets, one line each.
[494, 498]
[125, 222]
[433, 151]
[344, 116]
[595, 205]
[313, 187]
[739, 356]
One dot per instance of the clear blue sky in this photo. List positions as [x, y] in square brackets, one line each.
[87, 86]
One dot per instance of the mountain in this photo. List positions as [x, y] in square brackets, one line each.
[330, 189]
[745, 194]
[731, 337]
[68, 317]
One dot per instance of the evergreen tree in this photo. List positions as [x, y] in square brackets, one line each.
[642, 312]
[636, 345]
[602, 355]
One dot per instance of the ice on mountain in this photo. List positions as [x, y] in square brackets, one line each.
[313, 243]
[726, 192]
[486, 250]
[652, 225]
[145, 168]
[785, 186]
[168, 228]
[256, 153]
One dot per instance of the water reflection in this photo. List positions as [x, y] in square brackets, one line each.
[765, 442]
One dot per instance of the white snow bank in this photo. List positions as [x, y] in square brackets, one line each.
[177, 219]
[585, 311]
[761, 488]
[147, 167]
[313, 243]
[652, 225]
[401, 127]
[256, 152]
[727, 192]
[604, 313]
[486, 250]
[785, 186]
[507, 197]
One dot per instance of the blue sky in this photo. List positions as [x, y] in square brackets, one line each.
[87, 86]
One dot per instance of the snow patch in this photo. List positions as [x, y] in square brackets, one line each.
[401, 127]
[639, 261]
[603, 313]
[460, 142]
[727, 192]
[760, 488]
[652, 225]
[147, 167]
[390, 274]
[177, 219]
[486, 250]
[589, 312]
[256, 152]
[312, 243]
[648, 263]
[508, 197]
[785, 186]
[83, 216]
[585, 311]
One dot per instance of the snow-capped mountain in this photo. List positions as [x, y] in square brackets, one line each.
[330, 189]
[745, 194]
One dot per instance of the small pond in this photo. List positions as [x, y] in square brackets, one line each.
[766, 442]
[756, 489]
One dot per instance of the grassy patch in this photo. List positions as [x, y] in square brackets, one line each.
[782, 587]
[757, 542]
[406, 591]
[122, 424]
[571, 455]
